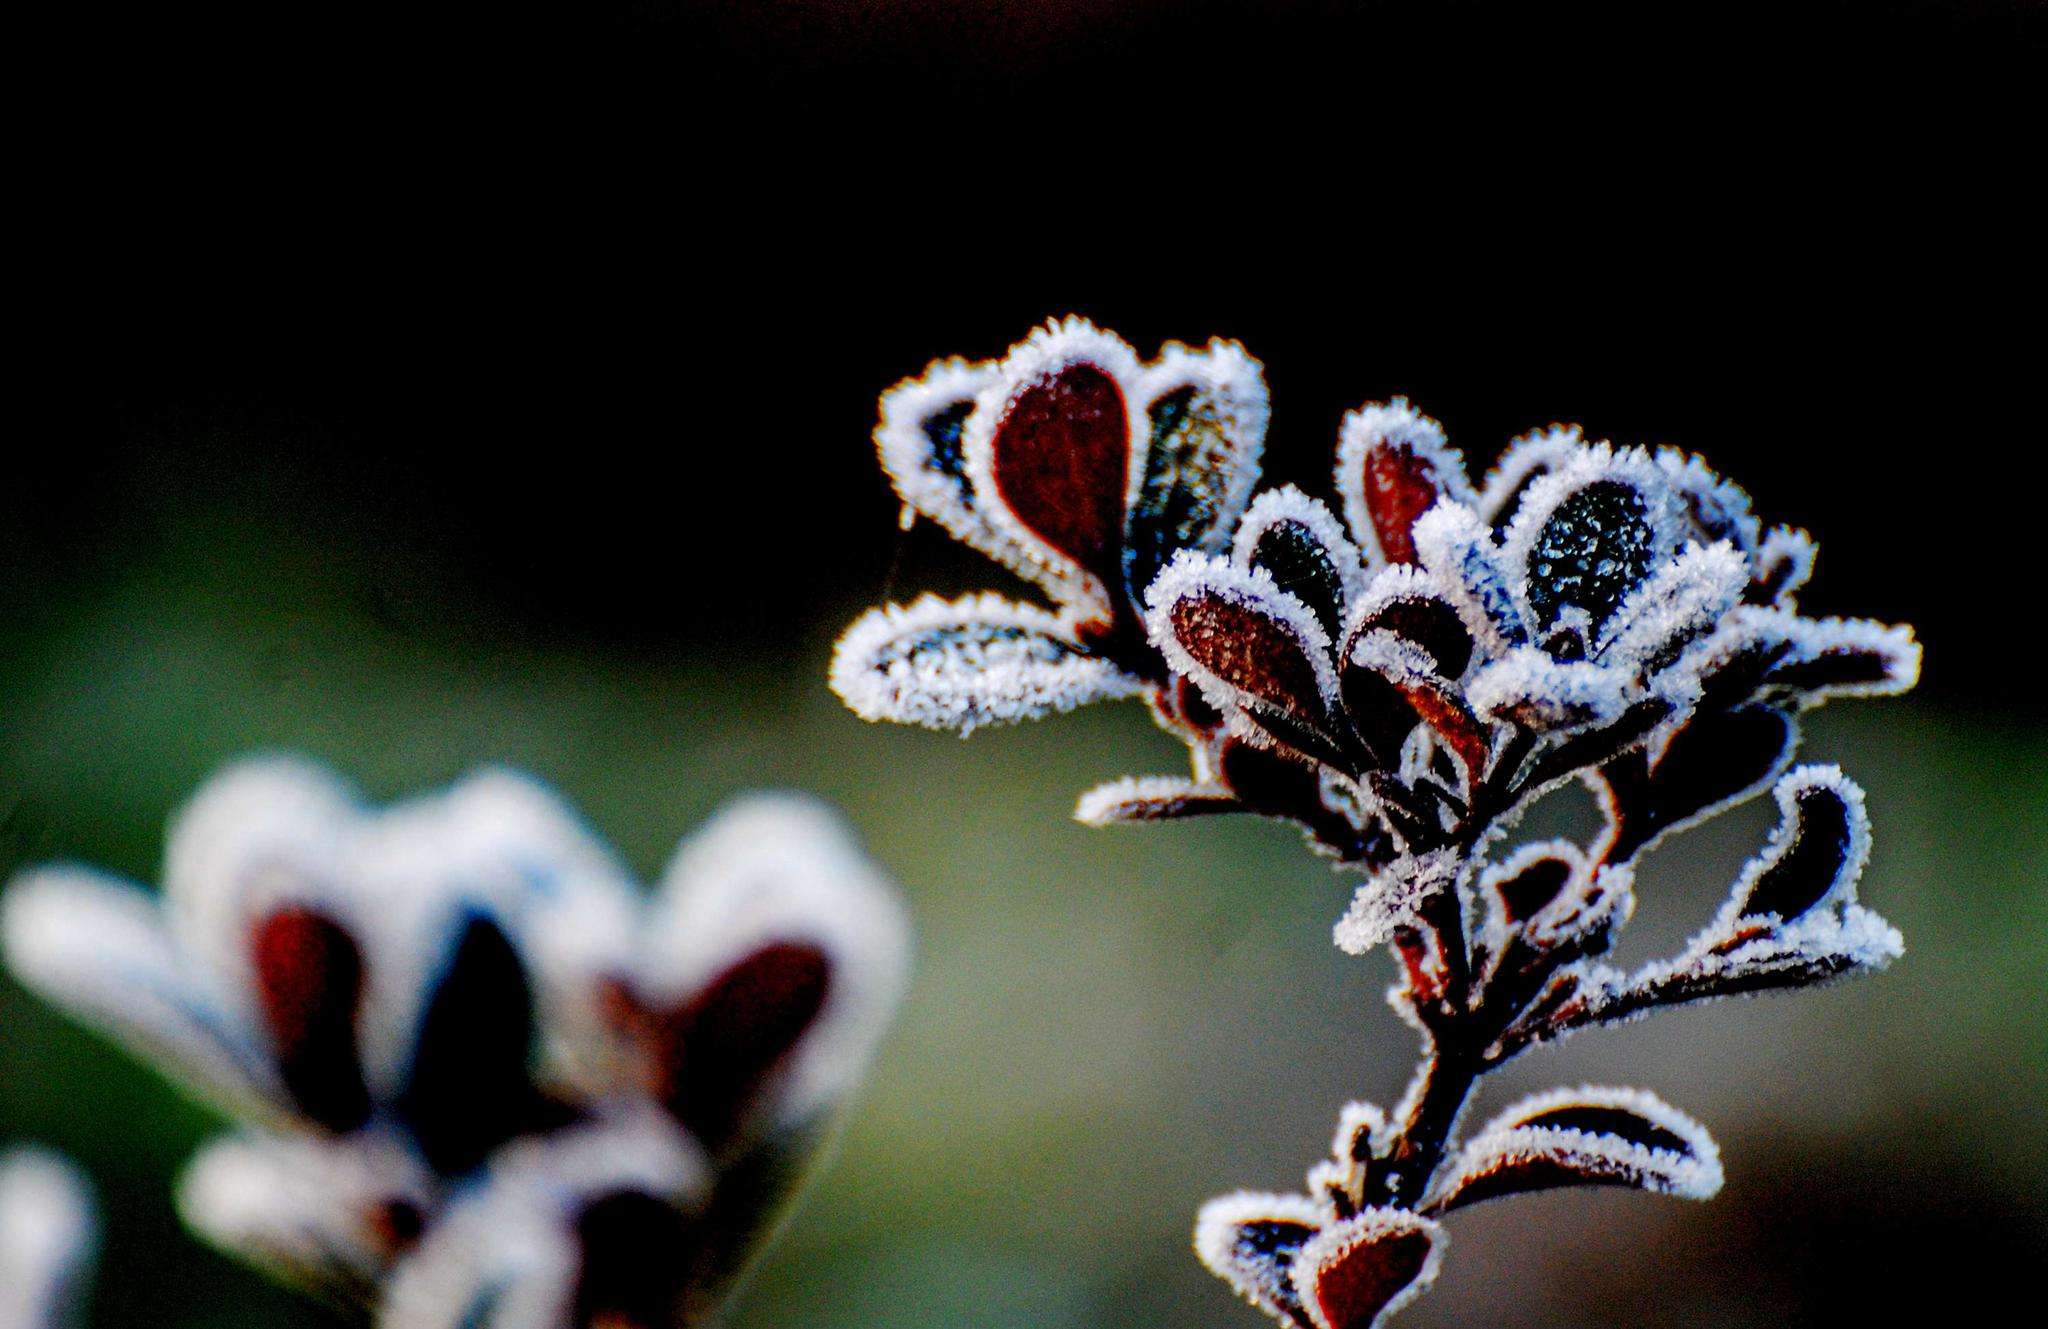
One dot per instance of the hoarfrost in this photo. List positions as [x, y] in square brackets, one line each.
[963, 664]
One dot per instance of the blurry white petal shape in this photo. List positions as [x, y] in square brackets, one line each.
[773, 890]
[585, 1227]
[330, 1214]
[963, 664]
[501, 845]
[262, 833]
[99, 949]
[49, 1235]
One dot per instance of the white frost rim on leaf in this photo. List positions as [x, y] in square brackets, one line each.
[1220, 1221]
[1505, 1142]
[1395, 424]
[1458, 549]
[1198, 576]
[1367, 1227]
[1723, 507]
[1494, 928]
[1390, 899]
[1547, 449]
[1045, 353]
[1842, 891]
[1681, 599]
[1593, 464]
[1530, 687]
[1288, 504]
[1234, 383]
[905, 451]
[1028, 666]
[1146, 798]
[1793, 550]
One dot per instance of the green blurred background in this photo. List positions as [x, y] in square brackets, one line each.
[1107, 1026]
[420, 388]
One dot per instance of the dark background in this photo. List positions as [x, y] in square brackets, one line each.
[427, 386]
[555, 305]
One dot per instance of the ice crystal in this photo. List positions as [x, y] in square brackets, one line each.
[457, 1034]
[1402, 683]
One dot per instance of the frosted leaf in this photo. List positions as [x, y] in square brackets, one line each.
[1409, 603]
[330, 1214]
[99, 949]
[1055, 448]
[1153, 798]
[1715, 509]
[1297, 540]
[1714, 761]
[49, 1237]
[1363, 1135]
[1518, 888]
[1814, 857]
[1783, 561]
[1458, 550]
[1589, 533]
[1356, 1272]
[1843, 657]
[1392, 898]
[1393, 464]
[768, 968]
[963, 664]
[1206, 411]
[1583, 1137]
[1596, 904]
[1410, 671]
[920, 440]
[1249, 646]
[1250, 1241]
[1378, 674]
[1530, 688]
[1792, 919]
[1277, 782]
[1526, 459]
[1681, 601]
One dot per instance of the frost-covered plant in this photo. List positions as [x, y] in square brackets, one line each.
[485, 1079]
[49, 1232]
[1403, 683]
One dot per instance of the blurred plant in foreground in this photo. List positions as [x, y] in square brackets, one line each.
[49, 1233]
[1403, 683]
[486, 1081]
